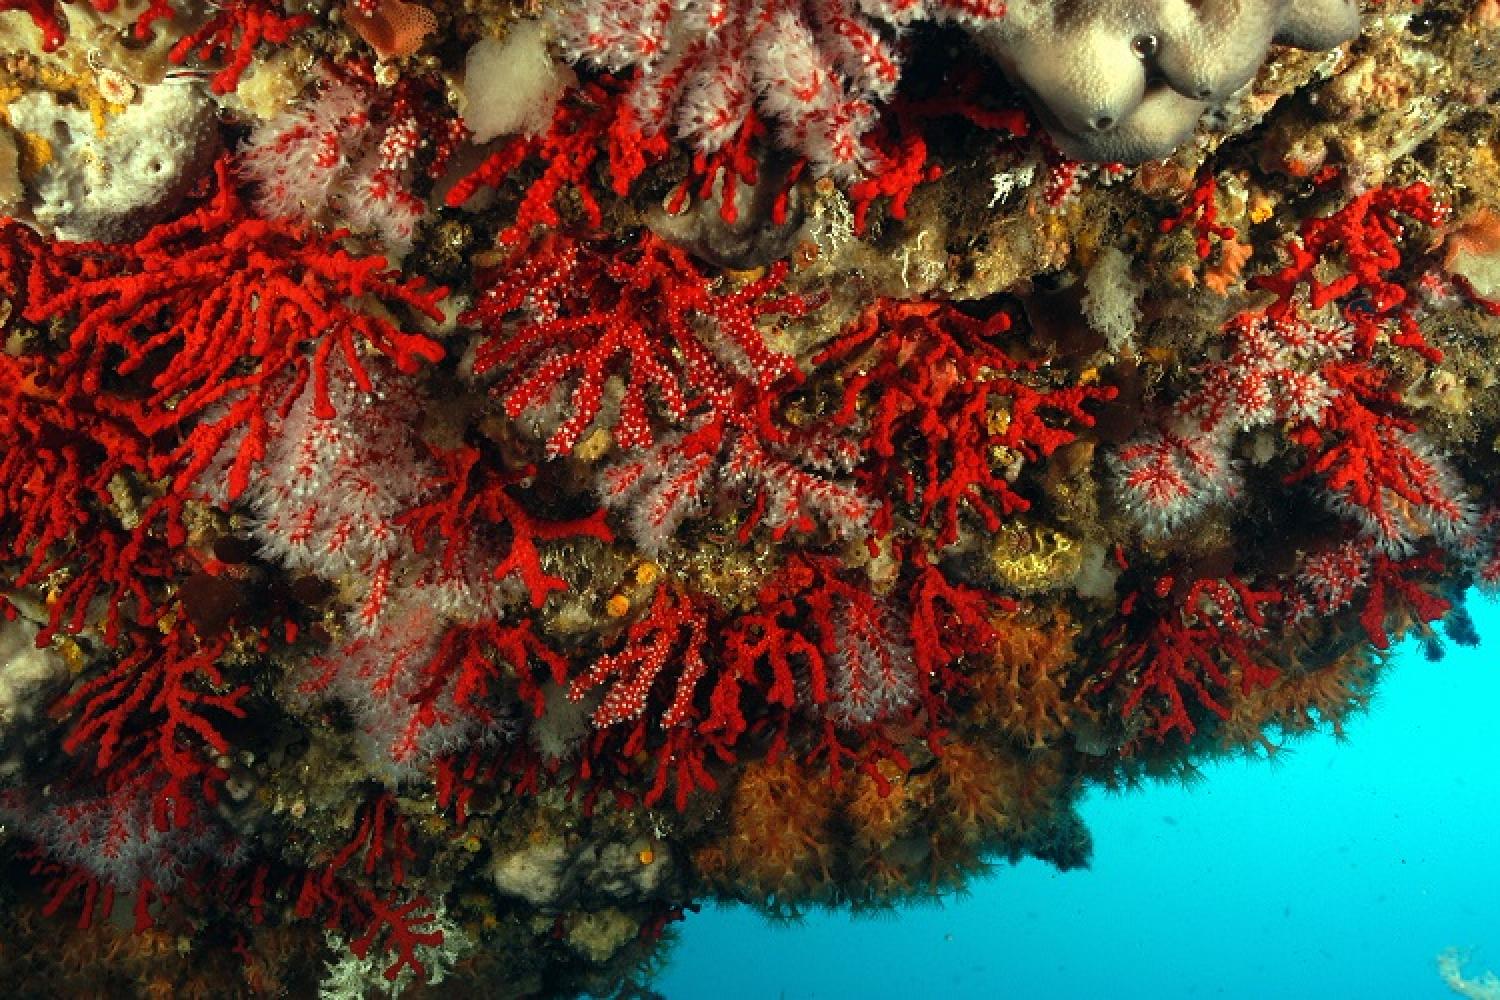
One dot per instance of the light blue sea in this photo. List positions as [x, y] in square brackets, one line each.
[1341, 870]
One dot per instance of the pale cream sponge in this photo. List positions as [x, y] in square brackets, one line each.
[114, 184]
[1127, 82]
[512, 85]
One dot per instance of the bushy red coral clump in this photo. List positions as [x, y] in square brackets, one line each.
[191, 337]
[217, 313]
[150, 708]
[1367, 455]
[1177, 640]
[930, 377]
[588, 312]
[590, 121]
[1326, 383]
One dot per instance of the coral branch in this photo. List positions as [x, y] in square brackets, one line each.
[645, 313]
[939, 386]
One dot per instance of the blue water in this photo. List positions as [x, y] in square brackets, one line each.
[1339, 871]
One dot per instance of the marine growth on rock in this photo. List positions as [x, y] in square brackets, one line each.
[479, 480]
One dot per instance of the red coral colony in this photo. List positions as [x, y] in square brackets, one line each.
[431, 555]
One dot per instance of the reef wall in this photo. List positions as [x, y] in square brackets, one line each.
[481, 479]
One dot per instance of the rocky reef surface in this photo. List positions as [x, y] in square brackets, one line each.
[481, 479]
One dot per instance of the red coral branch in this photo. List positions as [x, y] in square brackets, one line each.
[592, 120]
[472, 495]
[233, 34]
[1170, 650]
[145, 710]
[1202, 212]
[1393, 580]
[938, 385]
[381, 836]
[674, 630]
[949, 622]
[397, 927]
[640, 312]
[463, 670]
[238, 27]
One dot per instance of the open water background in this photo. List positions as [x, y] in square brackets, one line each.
[1337, 871]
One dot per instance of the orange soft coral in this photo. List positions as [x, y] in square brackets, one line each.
[1023, 689]
[780, 844]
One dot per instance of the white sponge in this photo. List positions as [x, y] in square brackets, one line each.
[112, 187]
[1128, 81]
[512, 84]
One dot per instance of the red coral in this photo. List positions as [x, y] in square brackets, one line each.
[469, 659]
[61, 457]
[898, 171]
[1375, 468]
[233, 33]
[784, 479]
[674, 630]
[1378, 471]
[47, 17]
[641, 312]
[939, 388]
[1366, 234]
[99, 838]
[144, 712]
[1202, 212]
[382, 841]
[1327, 580]
[764, 650]
[1186, 641]
[237, 27]
[949, 623]
[816, 635]
[385, 921]
[879, 670]
[396, 926]
[897, 150]
[56, 472]
[1331, 579]
[727, 168]
[356, 152]
[680, 762]
[1399, 580]
[591, 120]
[215, 311]
[381, 837]
[471, 495]
[1322, 383]
[814, 68]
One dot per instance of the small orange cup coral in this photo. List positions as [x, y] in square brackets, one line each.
[393, 28]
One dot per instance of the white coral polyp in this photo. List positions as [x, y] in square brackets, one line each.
[329, 162]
